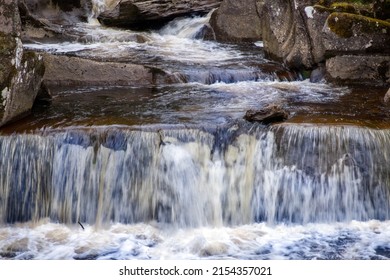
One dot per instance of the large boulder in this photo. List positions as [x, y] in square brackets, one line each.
[237, 21]
[352, 33]
[359, 69]
[75, 71]
[141, 13]
[20, 72]
[285, 33]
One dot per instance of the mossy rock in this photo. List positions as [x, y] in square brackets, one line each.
[370, 8]
[346, 25]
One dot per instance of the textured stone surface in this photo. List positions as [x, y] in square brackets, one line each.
[237, 21]
[64, 70]
[347, 33]
[20, 72]
[359, 69]
[285, 33]
[9, 18]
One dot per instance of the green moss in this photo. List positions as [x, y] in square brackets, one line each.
[322, 9]
[345, 24]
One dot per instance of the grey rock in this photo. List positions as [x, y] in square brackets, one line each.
[318, 74]
[285, 33]
[74, 71]
[9, 18]
[20, 71]
[359, 69]
[237, 21]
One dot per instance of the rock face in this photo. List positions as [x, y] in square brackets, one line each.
[139, 13]
[20, 72]
[237, 21]
[74, 71]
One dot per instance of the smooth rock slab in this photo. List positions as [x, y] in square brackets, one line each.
[75, 71]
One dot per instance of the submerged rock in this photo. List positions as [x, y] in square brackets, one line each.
[270, 114]
[237, 21]
[141, 14]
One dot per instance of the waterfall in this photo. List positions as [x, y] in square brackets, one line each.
[192, 178]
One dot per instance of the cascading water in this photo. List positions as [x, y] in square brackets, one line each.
[189, 179]
[174, 172]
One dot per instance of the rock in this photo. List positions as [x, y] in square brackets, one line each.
[75, 71]
[141, 13]
[9, 18]
[20, 72]
[237, 21]
[285, 33]
[318, 74]
[386, 99]
[349, 33]
[359, 69]
[270, 114]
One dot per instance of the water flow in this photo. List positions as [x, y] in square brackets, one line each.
[191, 178]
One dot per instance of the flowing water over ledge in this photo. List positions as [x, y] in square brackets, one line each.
[174, 172]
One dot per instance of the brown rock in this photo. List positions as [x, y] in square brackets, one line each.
[270, 114]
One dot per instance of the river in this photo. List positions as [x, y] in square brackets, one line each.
[173, 171]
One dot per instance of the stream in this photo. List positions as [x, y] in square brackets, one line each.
[173, 171]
